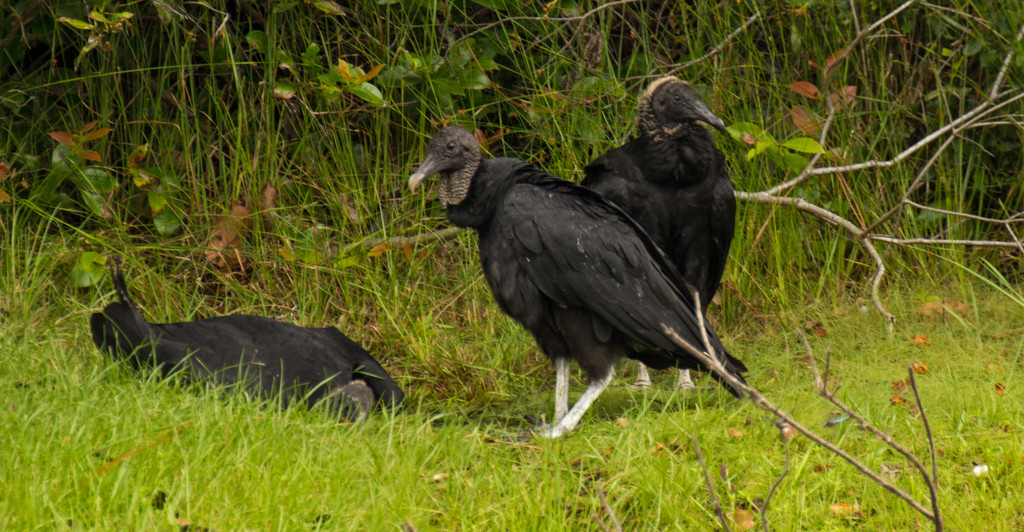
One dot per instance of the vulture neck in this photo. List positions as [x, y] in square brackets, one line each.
[485, 189]
[455, 186]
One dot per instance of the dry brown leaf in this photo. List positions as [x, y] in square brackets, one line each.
[407, 250]
[816, 328]
[899, 386]
[742, 519]
[226, 238]
[937, 309]
[842, 98]
[621, 421]
[749, 139]
[787, 431]
[897, 400]
[4, 171]
[1000, 388]
[349, 205]
[737, 433]
[919, 340]
[841, 508]
[269, 197]
[919, 368]
[378, 250]
[439, 477]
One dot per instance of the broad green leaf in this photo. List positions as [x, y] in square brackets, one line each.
[258, 40]
[96, 203]
[284, 90]
[97, 180]
[75, 23]
[312, 55]
[88, 269]
[759, 148]
[367, 92]
[737, 129]
[804, 145]
[794, 161]
[157, 202]
[328, 7]
[167, 222]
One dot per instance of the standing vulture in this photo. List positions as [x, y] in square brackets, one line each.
[671, 179]
[568, 265]
[259, 353]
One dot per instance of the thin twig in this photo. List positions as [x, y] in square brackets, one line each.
[609, 511]
[768, 498]
[395, 241]
[933, 483]
[716, 50]
[762, 402]
[710, 485]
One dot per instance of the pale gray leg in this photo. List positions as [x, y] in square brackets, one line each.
[561, 388]
[569, 421]
[684, 383]
[643, 379]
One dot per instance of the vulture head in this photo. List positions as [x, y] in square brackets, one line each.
[670, 103]
[455, 154]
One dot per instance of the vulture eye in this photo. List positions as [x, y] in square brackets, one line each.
[676, 97]
[450, 146]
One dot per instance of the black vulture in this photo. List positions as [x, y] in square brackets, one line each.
[568, 265]
[261, 354]
[671, 179]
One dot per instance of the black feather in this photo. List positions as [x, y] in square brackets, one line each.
[261, 354]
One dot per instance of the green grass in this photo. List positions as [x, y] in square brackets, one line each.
[92, 444]
[88, 443]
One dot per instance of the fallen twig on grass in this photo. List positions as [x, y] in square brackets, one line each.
[708, 357]
[710, 485]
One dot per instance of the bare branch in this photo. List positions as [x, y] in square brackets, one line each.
[762, 402]
[609, 511]
[710, 485]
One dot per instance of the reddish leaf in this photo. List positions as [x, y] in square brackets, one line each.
[843, 97]
[737, 433]
[822, 467]
[1000, 388]
[481, 137]
[86, 128]
[226, 239]
[919, 368]
[834, 58]
[379, 249]
[899, 386]
[806, 89]
[805, 120]
[4, 171]
[90, 155]
[370, 75]
[813, 64]
[919, 340]
[99, 133]
[897, 400]
[62, 137]
[4, 196]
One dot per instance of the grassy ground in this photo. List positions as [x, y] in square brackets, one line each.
[92, 445]
[228, 102]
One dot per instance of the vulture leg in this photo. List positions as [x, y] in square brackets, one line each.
[684, 383]
[561, 388]
[569, 421]
[643, 379]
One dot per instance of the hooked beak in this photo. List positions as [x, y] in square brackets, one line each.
[710, 119]
[425, 170]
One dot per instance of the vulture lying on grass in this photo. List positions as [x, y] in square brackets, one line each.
[261, 354]
[568, 265]
[671, 179]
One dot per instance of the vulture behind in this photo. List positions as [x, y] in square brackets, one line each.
[261, 354]
[567, 264]
[671, 179]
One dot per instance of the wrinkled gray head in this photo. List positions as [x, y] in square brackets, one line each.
[670, 103]
[356, 400]
[455, 154]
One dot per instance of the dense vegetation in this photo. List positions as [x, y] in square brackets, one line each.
[250, 156]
